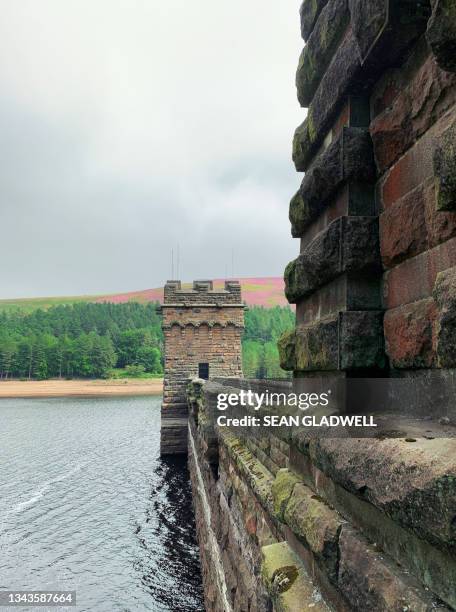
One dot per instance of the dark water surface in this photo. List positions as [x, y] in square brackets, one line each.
[87, 505]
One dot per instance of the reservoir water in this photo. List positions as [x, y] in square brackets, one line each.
[87, 505]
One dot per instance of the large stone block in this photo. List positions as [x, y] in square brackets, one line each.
[351, 341]
[403, 230]
[414, 278]
[344, 75]
[418, 104]
[445, 296]
[317, 346]
[441, 33]
[348, 244]
[349, 158]
[320, 48]
[310, 10]
[384, 29]
[445, 170]
[370, 581]
[288, 584]
[299, 215]
[282, 488]
[409, 335]
[316, 525]
[402, 479]
[287, 351]
[361, 340]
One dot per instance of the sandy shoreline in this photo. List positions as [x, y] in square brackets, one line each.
[79, 388]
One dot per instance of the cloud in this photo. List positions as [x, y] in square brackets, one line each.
[129, 126]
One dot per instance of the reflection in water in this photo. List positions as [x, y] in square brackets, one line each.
[86, 504]
[171, 512]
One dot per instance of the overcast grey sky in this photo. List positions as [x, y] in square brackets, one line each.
[128, 126]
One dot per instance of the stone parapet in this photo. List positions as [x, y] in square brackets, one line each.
[343, 525]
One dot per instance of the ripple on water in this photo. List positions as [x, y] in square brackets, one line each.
[86, 504]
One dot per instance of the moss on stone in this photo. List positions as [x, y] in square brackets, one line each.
[282, 488]
[287, 582]
[315, 524]
[287, 350]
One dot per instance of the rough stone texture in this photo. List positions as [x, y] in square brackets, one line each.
[372, 582]
[414, 278]
[349, 158]
[287, 350]
[403, 479]
[445, 170]
[441, 33]
[310, 9]
[384, 29]
[316, 525]
[282, 488]
[345, 69]
[348, 244]
[299, 215]
[317, 346]
[288, 583]
[431, 566]
[403, 230]
[415, 167]
[409, 335]
[417, 105]
[361, 340]
[352, 341]
[445, 297]
[200, 325]
[320, 47]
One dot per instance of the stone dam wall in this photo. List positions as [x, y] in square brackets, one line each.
[286, 523]
[290, 524]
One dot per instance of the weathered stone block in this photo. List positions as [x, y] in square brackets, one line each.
[409, 335]
[299, 215]
[370, 581]
[282, 488]
[317, 346]
[287, 351]
[445, 170]
[441, 33]
[414, 278]
[353, 340]
[316, 525]
[348, 244]
[419, 103]
[320, 48]
[384, 29]
[403, 230]
[287, 581]
[310, 9]
[349, 158]
[403, 480]
[361, 340]
[343, 75]
[434, 568]
[445, 296]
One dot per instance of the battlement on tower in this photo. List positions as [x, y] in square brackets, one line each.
[202, 292]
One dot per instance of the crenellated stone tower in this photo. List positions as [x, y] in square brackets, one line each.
[203, 328]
